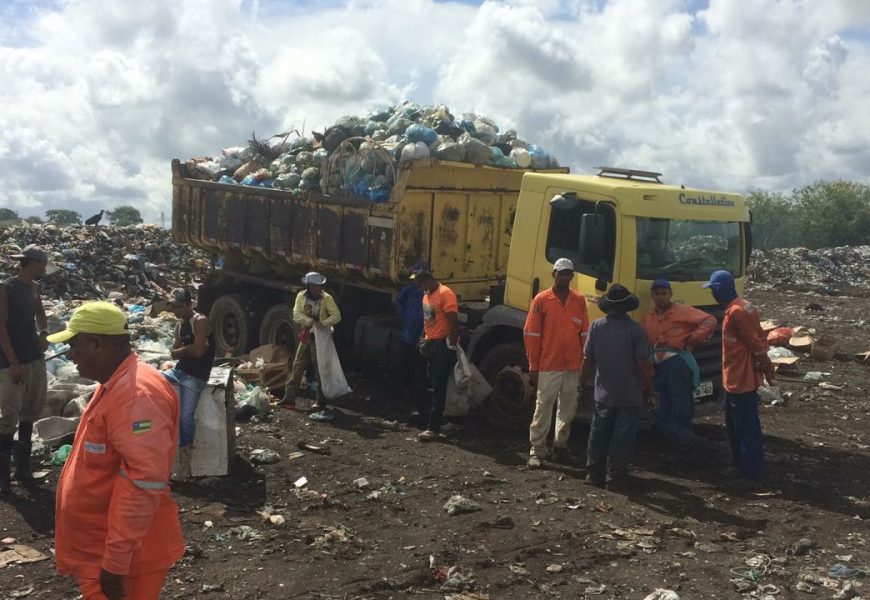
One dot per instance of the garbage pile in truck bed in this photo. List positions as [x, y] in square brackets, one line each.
[359, 155]
[91, 262]
[830, 271]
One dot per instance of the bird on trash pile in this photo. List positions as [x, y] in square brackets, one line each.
[95, 220]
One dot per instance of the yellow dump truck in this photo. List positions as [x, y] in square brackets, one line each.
[491, 234]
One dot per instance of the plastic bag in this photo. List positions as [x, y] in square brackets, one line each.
[450, 150]
[467, 389]
[522, 157]
[257, 399]
[497, 158]
[476, 152]
[408, 152]
[333, 383]
[486, 131]
[540, 158]
[60, 456]
[421, 150]
[421, 133]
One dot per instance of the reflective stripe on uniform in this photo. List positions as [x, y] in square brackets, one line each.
[143, 485]
[531, 334]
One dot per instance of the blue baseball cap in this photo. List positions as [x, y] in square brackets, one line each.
[719, 278]
[660, 283]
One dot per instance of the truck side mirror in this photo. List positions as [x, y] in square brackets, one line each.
[591, 248]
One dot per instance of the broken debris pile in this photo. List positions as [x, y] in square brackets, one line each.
[359, 155]
[825, 271]
[91, 263]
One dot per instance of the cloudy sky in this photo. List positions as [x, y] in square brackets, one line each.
[98, 96]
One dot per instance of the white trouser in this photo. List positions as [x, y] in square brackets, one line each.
[553, 385]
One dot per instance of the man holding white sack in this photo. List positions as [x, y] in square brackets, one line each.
[314, 308]
[554, 334]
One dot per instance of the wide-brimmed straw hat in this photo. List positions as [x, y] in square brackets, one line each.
[618, 300]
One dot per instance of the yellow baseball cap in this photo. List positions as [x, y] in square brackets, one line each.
[100, 318]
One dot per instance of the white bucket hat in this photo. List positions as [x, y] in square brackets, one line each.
[314, 278]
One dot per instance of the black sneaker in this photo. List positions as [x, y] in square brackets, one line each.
[596, 480]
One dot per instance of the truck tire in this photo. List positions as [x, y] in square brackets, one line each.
[507, 407]
[278, 327]
[232, 326]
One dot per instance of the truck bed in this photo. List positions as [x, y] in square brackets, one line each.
[456, 216]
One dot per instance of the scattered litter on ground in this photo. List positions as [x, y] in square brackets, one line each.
[663, 594]
[12, 554]
[458, 505]
[246, 533]
[264, 456]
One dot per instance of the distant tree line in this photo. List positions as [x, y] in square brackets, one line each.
[122, 215]
[822, 215]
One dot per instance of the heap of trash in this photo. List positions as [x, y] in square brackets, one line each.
[360, 155]
[829, 271]
[136, 263]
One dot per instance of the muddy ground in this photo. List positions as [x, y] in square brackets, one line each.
[540, 534]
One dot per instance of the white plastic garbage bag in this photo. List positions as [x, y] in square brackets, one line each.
[333, 383]
[467, 388]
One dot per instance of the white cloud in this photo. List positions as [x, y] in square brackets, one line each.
[743, 94]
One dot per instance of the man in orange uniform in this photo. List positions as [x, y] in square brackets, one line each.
[554, 335]
[116, 527]
[441, 336]
[673, 331]
[745, 364]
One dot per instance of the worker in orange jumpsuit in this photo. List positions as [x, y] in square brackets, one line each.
[554, 334]
[116, 526]
[673, 331]
[745, 365]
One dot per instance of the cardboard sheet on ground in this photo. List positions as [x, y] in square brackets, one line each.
[19, 554]
[214, 444]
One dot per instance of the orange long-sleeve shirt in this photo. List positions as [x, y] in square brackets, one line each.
[743, 346]
[113, 508]
[554, 333]
[679, 327]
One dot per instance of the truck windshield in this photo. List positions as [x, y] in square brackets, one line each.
[682, 250]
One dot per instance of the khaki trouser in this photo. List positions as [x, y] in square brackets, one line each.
[553, 385]
[304, 360]
[23, 401]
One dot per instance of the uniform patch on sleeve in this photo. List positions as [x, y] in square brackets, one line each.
[141, 426]
[95, 448]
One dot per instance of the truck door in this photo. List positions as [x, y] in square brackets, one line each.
[563, 219]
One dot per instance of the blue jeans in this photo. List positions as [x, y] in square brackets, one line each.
[190, 388]
[676, 412]
[440, 369]
[611, 440]
[744, 434]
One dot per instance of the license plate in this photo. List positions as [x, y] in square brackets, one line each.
[704, 389]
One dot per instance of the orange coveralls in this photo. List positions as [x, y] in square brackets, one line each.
[113, 508]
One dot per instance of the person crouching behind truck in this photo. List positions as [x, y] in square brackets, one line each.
[313, 308]
[745, 365]
[438, 346]
[194, 349]
[554, 334]
[673, 331]
[617, 360]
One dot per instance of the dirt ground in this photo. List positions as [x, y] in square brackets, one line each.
[539, 534]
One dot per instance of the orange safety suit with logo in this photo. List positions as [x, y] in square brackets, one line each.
[113, 508]
[678, 328]
[744, 349]
[554, 333]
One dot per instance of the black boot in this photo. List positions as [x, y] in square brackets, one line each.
[21, 452]
[5, 460]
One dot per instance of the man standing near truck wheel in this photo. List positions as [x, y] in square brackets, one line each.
[673, 331]
[313, 308]
[554, 334]
[438, 346]
[409, 306]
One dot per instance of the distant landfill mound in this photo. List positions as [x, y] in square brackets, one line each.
[831, 271]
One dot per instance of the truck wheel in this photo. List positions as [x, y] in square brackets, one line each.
[232, 326]
[510, 405]
[278, 327]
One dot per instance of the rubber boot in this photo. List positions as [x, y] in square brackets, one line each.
[5, 464]
[21, 452]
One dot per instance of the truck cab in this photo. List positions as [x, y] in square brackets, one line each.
[619, 226]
